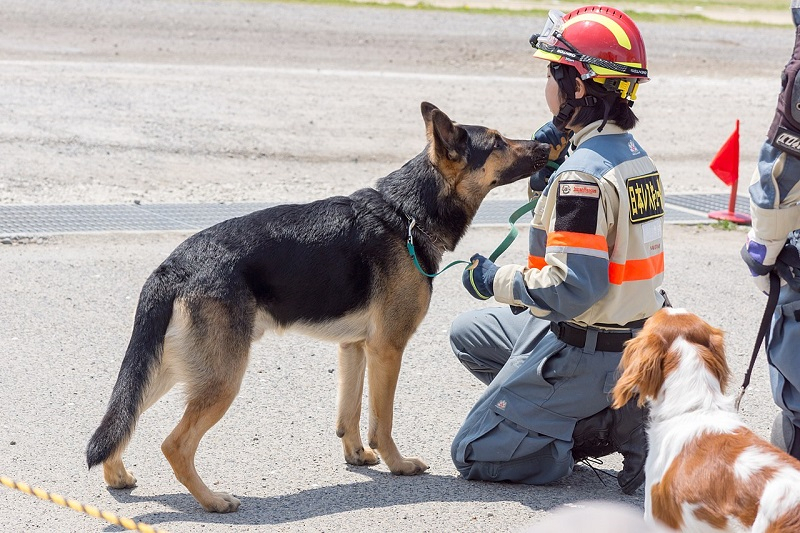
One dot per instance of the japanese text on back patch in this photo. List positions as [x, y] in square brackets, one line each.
[645, 197]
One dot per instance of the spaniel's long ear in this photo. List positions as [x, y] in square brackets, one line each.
[642, 370]
[715, 359]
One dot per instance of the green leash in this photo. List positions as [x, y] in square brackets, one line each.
[502, 247]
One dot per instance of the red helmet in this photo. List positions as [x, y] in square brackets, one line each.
[602, 43]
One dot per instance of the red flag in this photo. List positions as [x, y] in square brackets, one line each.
[726, 163]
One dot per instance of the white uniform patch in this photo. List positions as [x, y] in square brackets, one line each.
[584, 190]
[652, 230]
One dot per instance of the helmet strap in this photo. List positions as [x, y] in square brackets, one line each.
[566, 84]
[606, 111]
[565, 113]
[568, 108]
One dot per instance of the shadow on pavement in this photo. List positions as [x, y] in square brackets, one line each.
[384, 490]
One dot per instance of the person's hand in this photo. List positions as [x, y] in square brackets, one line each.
[539, 180]
[753, 253]
[557, 139]
[478, 277]
[559, 142]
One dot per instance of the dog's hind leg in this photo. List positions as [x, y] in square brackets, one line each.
[180, 446]
[352, 362]
[162, 380]
[114, 471]
[212, 364]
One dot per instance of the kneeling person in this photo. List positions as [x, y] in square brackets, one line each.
[593, 276]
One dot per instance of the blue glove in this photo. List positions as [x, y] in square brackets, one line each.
[559, 142]
[753, 253]
[479, 277]
[540, 178]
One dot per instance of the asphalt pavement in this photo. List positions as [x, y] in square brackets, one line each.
[67, 306]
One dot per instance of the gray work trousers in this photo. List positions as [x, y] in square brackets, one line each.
[782, 354]
[538, 387]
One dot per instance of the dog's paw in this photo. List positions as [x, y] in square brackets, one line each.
[120, 480]
[409, 466]
[221, 502]
[362, 456]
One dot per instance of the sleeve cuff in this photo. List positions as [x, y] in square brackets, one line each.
[503, 285]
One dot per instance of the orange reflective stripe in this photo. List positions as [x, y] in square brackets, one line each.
[577, 240]
[636, 269]
[534, 261]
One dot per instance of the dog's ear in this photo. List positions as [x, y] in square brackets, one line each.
[642, 369]
[427, 108]
[447, 139]
[715, 359]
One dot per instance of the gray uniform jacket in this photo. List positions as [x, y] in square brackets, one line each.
[596, 257]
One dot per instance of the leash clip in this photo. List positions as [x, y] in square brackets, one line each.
[411, 223]
[410, 246]
[739, 398]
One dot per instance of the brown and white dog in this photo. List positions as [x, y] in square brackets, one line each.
[705, 470]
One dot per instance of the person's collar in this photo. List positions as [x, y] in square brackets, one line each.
[589, 131]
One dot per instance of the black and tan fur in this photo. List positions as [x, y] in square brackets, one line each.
[337, 269]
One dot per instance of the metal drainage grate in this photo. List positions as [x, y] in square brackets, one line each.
[36, 220]
[495, 212]
[27, 220]
[705, 203]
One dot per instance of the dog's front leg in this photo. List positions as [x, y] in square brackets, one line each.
[383, 368]
[352, 361]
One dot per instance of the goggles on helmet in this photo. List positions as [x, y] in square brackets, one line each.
[553, 26]
[552, 41]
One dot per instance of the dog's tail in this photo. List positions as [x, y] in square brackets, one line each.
[142, 357]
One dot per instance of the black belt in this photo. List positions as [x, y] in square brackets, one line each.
[607, 341]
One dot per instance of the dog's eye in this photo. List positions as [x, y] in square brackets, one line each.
[499, 144]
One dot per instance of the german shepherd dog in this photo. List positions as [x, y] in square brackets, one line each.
[338, 269]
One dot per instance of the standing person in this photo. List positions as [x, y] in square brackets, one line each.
[595, 267]
[775, 213]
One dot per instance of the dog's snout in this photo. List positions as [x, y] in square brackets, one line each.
[526, 157]
[541, 154]
[542, 149]
[533, 150]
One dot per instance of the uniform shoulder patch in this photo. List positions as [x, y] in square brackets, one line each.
[577, 204]
[787, 141]
[578, 189]
[645, 197]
